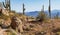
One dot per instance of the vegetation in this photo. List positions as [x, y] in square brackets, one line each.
[2, 16]
[57, 15]
[10, 33]
[7, 5]
[42, 16]
[33, 25]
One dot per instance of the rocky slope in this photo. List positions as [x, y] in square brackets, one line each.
[20, 25]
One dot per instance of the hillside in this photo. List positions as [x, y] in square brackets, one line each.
[27, 25]
[35, 22]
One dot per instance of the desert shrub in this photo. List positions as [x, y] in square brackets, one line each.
[42, 16]
[40, 33]
[56, 16]
[2, 16]
[10, 33]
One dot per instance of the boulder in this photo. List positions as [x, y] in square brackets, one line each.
[6, 23]
[16, 23]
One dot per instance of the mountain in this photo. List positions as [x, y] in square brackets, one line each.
[35, 13]
[32, 13]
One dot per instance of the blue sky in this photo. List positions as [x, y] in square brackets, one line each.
[34, 5]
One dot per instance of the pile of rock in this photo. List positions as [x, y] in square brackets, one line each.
[5, 23]
[17, 23]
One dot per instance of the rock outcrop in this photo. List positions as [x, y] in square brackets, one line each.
[6, 23]
[17, 23]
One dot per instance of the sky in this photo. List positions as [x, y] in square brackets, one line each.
[33, 5]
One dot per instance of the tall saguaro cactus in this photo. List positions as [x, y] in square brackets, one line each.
[23, 9]
[9, 5]
[43, 8]
[49, 9]
[6, 4]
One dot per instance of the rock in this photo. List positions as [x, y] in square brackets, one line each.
[6, 23]
[5, 12]
[17, 23]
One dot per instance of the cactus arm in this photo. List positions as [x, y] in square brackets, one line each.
[4, 4]
[9, 6]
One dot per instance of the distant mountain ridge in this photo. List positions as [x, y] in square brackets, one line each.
[35, 13]
[32, 13]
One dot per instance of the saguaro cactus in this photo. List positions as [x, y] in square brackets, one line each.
[9, 6]
[49, 9]
[6, 4]
[23, 9]
[43, 8]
